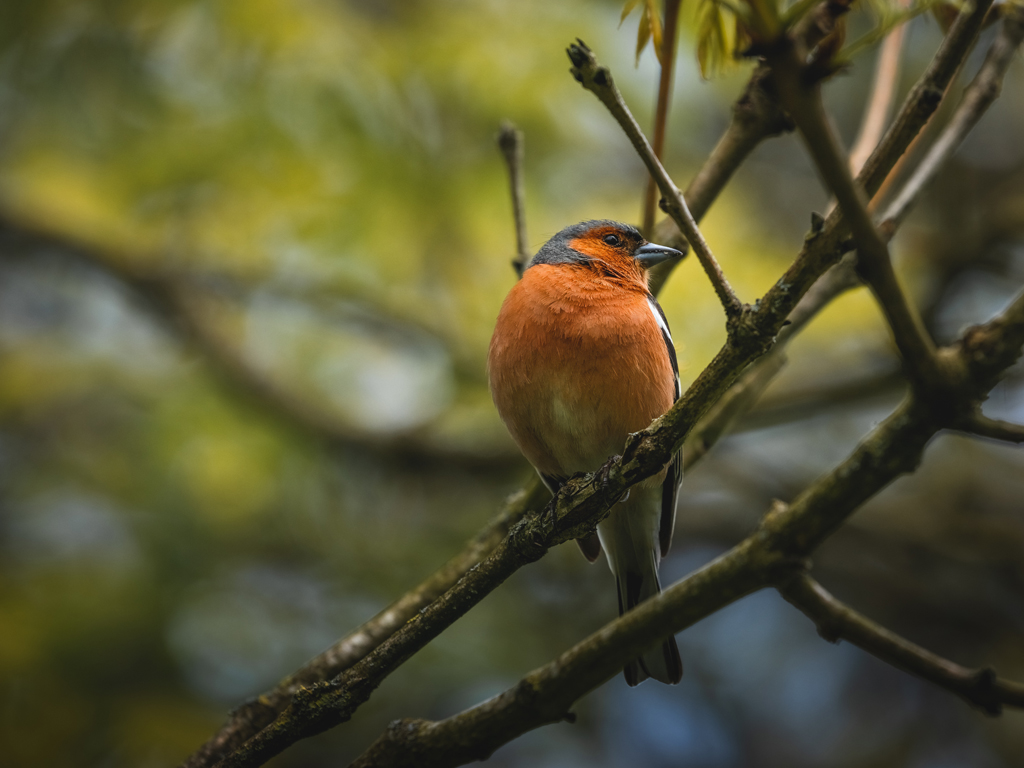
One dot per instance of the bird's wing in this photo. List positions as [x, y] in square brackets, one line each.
[674, 474]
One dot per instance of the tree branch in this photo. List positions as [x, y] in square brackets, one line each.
[926, 95]
[598, 80]
[510, 141]
[803, 102]
[996, 429]
[978, 96]
[755, 116]
[256, 714]
[883, 92]
[668, 57]
[787, 536]
[836, 621]
[546, 695]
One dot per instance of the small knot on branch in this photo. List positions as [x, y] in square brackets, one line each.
[530, 536]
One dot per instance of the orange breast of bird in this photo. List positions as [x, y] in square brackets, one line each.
[576, 363]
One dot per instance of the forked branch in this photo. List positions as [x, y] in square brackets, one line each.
[836, 621]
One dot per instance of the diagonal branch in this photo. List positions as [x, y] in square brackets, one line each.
[546, 695]
[978, 96]
[803, 102]
[883, 92]
[769, 557]
[836, 621]
[926, 95]
[598, 80]
[755, 116]
[258, 713]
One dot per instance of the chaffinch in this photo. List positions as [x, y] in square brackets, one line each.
[581, 357]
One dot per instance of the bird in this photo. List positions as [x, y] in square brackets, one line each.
[581, 357]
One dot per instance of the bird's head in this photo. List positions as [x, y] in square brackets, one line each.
[606, 248]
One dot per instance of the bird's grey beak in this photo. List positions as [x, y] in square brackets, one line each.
[650, 254]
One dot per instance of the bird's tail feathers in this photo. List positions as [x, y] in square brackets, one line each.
[663, 663]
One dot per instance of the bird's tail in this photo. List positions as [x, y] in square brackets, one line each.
[637, 581]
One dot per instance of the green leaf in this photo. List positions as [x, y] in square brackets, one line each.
[654, 21]
[628, 9]
[712, 38]
[643, 34]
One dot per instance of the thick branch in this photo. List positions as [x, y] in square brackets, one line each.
[254, 715]
[598, 80]
[546, 695]
[788, 534]
[836, 621]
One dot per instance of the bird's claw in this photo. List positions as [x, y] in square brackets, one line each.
[547, 516]
[601, 476]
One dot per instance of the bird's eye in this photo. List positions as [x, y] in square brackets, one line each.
[613, 240]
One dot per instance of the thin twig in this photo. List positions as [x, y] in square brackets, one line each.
[925, 97]
[738, 400]
[510, 141]
[598, 80]
[836, 621]
[996, 429]
[668, 56]
[978, 96]
[883, 92]
[755, 116]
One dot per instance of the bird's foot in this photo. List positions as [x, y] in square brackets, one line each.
[601, 476]
[547, 516]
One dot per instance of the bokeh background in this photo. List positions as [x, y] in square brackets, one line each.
[251, 252]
